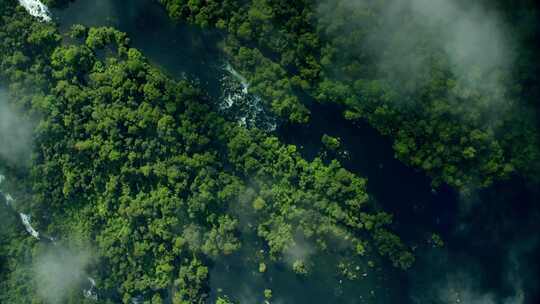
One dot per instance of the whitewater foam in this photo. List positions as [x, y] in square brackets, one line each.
[91, 293]
[243, 81]
[9, 199]
[36, 9]
[25, 218]
[246, 108]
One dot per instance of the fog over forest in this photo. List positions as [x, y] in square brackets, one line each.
[261, 151]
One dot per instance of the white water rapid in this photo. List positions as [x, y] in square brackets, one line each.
[36, 9]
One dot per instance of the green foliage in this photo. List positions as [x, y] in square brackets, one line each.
[268, 294]
[223, 300]
[436, 241]
[262, 267]
[300, 268]
[331, 143]
[141, 167]
[460, 135]
[388, 244]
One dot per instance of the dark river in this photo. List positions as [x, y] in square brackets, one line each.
[491, 236]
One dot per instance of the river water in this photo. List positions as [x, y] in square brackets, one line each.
[491, 236]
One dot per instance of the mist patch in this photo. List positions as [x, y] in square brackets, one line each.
[16, 139]
[59, 273]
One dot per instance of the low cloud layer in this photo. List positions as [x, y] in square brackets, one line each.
[444, 275]
[15, 134]
[405, 38]
[443, 279]
[474, 39]
[462, 288]
[60, 273]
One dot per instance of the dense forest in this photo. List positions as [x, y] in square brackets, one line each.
[138, 185]
[442, 119]
[138, 165]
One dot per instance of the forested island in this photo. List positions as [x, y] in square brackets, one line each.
[333, 151]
